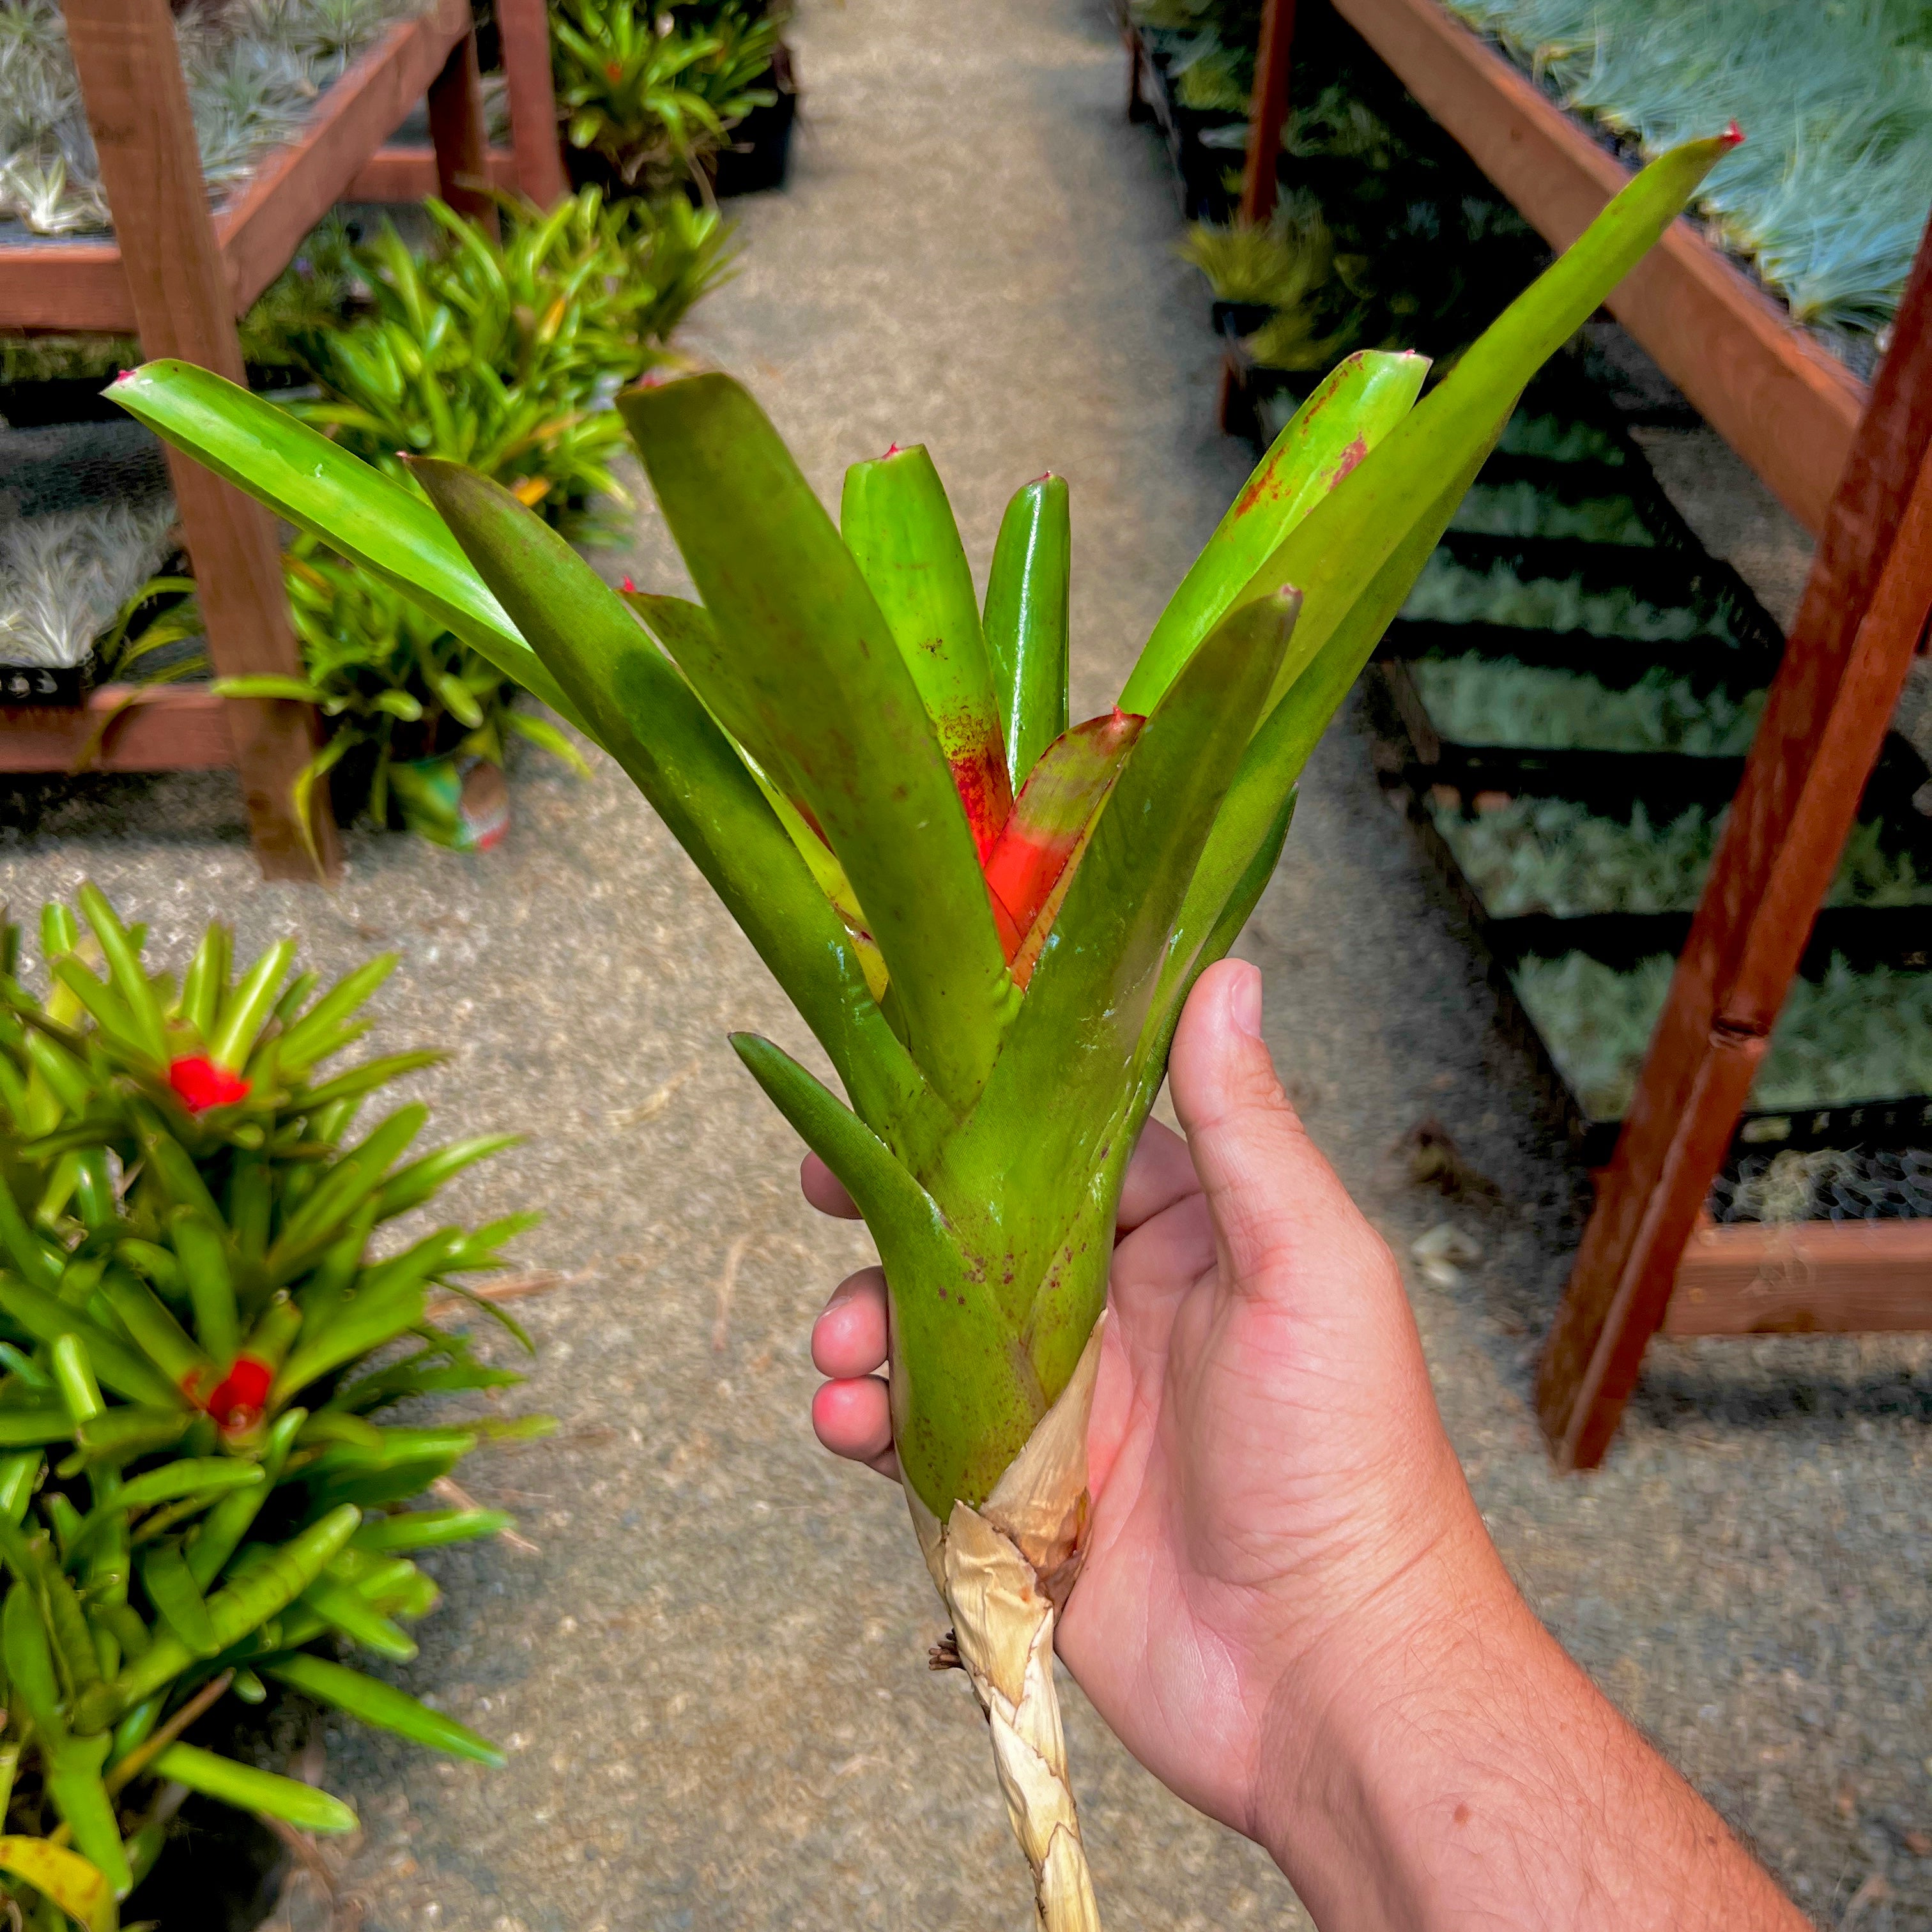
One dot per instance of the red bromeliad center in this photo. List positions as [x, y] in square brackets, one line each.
[236, 1402]
[200, 1084]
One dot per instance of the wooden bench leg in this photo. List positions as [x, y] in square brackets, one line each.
[1865, 609]
[461, 135]
[129, 66]
[523, 27]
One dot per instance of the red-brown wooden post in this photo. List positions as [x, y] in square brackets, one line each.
[1268, 110]
[1865, 610]
[523, 28]
[461, 134]
[129, 67]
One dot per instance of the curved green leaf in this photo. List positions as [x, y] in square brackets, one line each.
[1354, 407]
[816, 659]
[75, 1886]
[248, 1789]
[302, 475]
[376, 1703]
[1027, 620]
[897, 523]
[656, 727]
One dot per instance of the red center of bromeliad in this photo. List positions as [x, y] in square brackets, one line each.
[200, 1084]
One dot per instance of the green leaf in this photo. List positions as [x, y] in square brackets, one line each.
[1351, 411]
[75, 1886]
[1027, 620]
[383, 1705]
[1390, 501]
[346, 1610]
[73, 1783]
[652, 723]
[172, 1589]
[954, 1362]
[297, 688]
[429, 1529]
[305, 477]
[897, 523]
[1059, 1089]
[46, 1318]
[814, 657]
[248, 1789]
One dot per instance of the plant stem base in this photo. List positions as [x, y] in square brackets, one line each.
[1003, 1570]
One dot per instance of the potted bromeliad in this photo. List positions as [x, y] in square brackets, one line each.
[989, 919]
[202, 1494]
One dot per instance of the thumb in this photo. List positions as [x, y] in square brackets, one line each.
[1275, 1201]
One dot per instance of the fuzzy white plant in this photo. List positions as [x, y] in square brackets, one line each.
[254, 70]
[64, 579]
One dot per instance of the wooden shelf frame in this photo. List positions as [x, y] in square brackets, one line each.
[178, 274]
[1854, 465]
[1787, 408]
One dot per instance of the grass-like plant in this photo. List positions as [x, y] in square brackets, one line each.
[656, 97]
[988, 919]
[196, 1490]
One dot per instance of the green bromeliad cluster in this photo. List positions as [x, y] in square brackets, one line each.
[989, 919]
[197, 1496]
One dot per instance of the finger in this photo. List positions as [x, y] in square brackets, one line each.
[825, 1190]
[1160, 1173]
[852, 1418]
[850, 1336]
[1274, 1197]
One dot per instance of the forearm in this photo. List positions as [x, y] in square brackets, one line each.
[1468, 1773]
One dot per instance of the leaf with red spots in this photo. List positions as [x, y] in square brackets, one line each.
[1049, 818]
[1354, 407]
[900, 529]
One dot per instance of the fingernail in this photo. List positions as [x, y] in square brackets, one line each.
[1244, 1002]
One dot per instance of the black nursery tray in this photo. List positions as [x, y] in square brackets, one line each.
[1199, 168]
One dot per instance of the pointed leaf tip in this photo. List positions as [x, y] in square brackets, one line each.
[1733, 136]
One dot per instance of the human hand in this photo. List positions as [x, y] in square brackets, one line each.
[1271, 1482]
[1289, 1609]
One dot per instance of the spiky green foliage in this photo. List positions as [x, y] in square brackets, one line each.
[1554, 856]
[1850, 1036]
[996, 994]
[656, 95]
[1828, 195]
[198, 1484]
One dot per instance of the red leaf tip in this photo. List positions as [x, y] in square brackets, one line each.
[1733, 136]
[892, 449]
[627, 585]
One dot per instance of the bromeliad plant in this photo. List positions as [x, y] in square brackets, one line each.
[989, 919]
[194, 1491]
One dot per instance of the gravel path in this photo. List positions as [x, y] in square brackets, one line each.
[710, 1671]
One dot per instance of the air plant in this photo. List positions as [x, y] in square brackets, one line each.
[1830, 197]
[64, 578]
[989, 919]
[1851, 1036]
[1483, 701]
[253, 71]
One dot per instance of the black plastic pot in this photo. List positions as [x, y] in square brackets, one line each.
[760, 155]
[63, 399]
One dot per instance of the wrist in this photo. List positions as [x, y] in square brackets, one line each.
[1371, 1765]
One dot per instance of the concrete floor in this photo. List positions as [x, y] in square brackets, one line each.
[710, 1672]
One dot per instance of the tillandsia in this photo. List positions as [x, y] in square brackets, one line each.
[197, 1497]
[989, 918]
